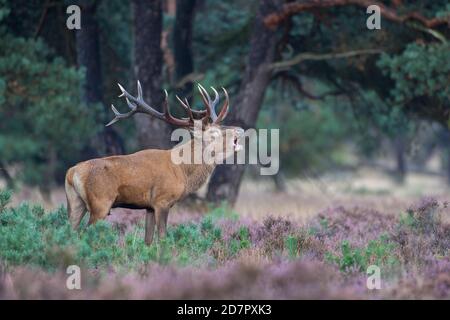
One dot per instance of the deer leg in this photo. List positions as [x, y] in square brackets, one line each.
[161, 221]
[149, 226]
[76, 208]
[76, 213]
[99, 210]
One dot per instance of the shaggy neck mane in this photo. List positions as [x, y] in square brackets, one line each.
[196, 174]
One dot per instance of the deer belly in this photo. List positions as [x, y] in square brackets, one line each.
[130, 206]
[132, 198]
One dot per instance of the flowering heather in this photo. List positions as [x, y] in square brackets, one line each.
[223, 256]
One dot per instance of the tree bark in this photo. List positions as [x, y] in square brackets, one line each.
[88, 52]
[447, 164]
[226, 179]
[444, 138]
[7, 176]
[148, 61]
[400, 146]
[88, 56]
[182, 43]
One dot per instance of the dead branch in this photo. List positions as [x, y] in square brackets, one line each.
[282, 65]
[298, 85]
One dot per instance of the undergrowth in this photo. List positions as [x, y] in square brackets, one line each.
[347, 240]
[31, 236]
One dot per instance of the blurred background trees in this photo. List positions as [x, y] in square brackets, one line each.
[337, 91]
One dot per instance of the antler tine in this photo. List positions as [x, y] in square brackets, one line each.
[187, 107]
[138, 105]
[171, 119]
[216, 97]
[211, 105]
[206, 100]
[140, 97]
[201, 114]
[224, 111]
[119, 115]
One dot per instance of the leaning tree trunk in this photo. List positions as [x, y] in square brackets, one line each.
[148, 60]
[182, 43]
[88, 56]
[225, 182]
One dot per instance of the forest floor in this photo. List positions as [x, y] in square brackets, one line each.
[315, 240]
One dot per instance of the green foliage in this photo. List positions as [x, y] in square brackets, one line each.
[31, 236]
[239, 240]
[408, 220]
[39, 95]
[379, 88]
[223, 211]
[5, 197]
[299, 242]
[305, 142]
[4, 10]
[424, 219]
[48, 127]
[226, 43]
[192, 241]
[380, 252]
[420, 70]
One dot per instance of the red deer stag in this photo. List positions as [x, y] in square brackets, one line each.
[149, 179]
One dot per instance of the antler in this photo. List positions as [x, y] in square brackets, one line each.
[138, 105]
[211, 105]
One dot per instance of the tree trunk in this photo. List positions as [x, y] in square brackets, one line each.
[7, 176]
[399, 145]
[88, 56]
[225, 182]
[280, 182]
[88, 52]
[45, 188]
[182, 43]
[148, 60]
[444, 138]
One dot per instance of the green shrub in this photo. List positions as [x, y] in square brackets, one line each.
[222, 212]
[240, 240]
[5, 197]
[298, 243]
[31, 236]
[378, 252]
